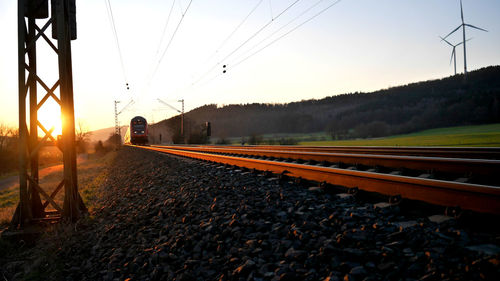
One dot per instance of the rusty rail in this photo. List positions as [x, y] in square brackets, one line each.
[447, 152]
[479, 198]
[485, 167]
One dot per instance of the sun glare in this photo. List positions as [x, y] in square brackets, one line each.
[49, 116]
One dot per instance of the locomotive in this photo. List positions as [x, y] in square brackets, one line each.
[137, 132]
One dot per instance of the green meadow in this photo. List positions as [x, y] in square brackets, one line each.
[481, 135]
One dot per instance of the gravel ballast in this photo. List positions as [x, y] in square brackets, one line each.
[171, 218]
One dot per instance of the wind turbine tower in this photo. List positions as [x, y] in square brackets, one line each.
[453, 52]
[463, 25]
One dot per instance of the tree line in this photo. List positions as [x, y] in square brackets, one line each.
[49, 154]
[8, 148]
[403, 109]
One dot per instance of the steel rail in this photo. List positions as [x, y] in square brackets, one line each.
[485, 167]
[447, 152]
[478, 198]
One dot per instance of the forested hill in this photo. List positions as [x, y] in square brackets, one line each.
[403, 109]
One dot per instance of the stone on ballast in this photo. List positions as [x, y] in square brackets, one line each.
[487, 249]
[439, 218]
[405, 224]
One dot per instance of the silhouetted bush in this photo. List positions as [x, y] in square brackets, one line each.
[255, 139]
[99, 148]
[8, 155]
[271, 141]
[373, 129]
[288, 141]
[222, 141]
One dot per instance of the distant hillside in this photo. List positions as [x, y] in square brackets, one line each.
[403, 109]
[104, 134]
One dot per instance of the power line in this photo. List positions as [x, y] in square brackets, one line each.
[271, 9]
[290, 31]
[278, 30]
[260, 30]
[279, 38]
[115, 33]
[272, 42]
[230, 36]
[238, 27]
[170, 41]
[165, 27]
[246, 41]
[151, 74]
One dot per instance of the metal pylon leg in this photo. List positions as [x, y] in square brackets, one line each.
[30, 206]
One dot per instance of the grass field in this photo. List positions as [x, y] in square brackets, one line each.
[91, 174]
[482, 135]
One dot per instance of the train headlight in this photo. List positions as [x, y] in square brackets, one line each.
[142, 132]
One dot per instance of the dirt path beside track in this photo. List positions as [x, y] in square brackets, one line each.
[14, 180]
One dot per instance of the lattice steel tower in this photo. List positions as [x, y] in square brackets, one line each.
[117, 125]
[63, 21]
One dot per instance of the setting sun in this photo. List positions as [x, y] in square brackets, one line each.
[49, 116]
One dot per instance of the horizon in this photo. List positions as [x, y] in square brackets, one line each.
[320, 98]
[383, 45]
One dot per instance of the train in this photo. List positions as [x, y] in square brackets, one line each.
[137, 132]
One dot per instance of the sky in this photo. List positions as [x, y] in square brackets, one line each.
[275, 51]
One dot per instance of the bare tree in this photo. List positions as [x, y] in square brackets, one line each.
[82, 132]
[8, 148]
[3, 135]
[82, 135]
[6, 135]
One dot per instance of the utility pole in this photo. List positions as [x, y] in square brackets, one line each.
[117, 121]
[182, 116]
[117, 125]
[182, 121]
[30, 208]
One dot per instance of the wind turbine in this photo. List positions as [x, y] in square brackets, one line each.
[453, 53]
[463, 25]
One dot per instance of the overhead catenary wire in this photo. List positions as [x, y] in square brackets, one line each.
[245, 42]
[260, 30]
[278, 30]
[165, 27]
[238, 62]
[233, 32]
[285, 34]
[170, 41]
[236, 29]
[167, 104]
[276, 40]
[115, 34]
[271, 9]
[127, 107]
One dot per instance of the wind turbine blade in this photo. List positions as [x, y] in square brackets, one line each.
[461, 11]
[452, 54]
[470, 25]
[442, 39]
[463, 42]
[452, 31]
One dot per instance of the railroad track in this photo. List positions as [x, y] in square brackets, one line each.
[449, 152]
[470, 184]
